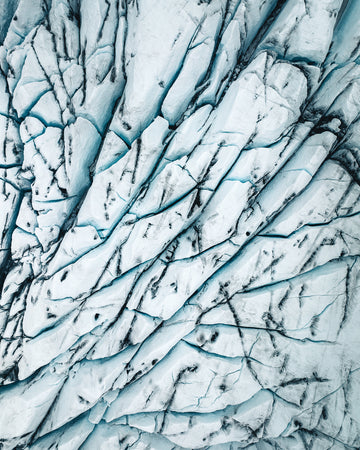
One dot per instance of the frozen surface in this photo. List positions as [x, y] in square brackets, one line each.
[179, 224]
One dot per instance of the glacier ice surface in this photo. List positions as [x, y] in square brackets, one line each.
[179, 224]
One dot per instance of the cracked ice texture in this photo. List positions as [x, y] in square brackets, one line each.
[180, 224]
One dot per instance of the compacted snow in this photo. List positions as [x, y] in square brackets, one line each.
[179, 224]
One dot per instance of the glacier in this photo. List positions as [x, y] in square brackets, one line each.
[180, 224]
